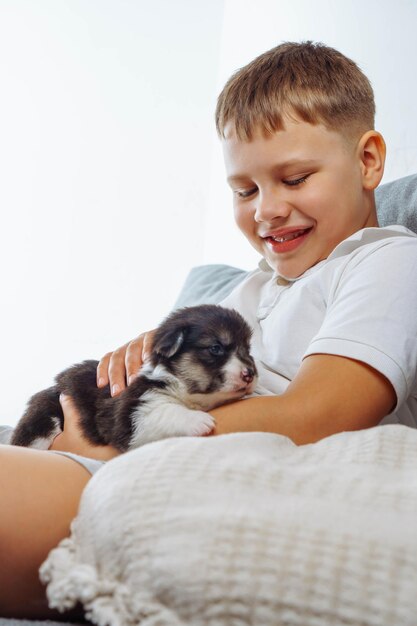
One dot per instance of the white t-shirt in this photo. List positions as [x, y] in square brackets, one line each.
[360, 303]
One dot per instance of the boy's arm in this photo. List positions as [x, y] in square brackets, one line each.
[330, 394]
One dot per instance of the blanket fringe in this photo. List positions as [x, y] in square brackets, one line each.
[106, 602]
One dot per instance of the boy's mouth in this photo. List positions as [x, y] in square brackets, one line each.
[287, 241]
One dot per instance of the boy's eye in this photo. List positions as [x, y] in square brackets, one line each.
[245, 193]
[294, 183]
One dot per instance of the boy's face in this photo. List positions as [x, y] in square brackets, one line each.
[297, 193]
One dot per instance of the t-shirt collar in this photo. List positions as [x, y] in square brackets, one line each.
[265, 267]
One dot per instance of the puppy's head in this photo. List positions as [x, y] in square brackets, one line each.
[207, 349]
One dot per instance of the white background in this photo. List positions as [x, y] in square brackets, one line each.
[111, 180]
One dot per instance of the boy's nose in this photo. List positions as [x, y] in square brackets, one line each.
[270, 206]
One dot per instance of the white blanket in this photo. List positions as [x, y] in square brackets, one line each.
[247, 529]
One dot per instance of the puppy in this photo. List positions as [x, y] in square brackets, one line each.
[200, 359]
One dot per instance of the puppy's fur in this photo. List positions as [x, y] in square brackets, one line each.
[200, 360]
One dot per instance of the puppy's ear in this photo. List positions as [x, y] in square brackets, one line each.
[169, 343]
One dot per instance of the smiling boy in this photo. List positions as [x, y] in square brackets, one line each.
[332, 304]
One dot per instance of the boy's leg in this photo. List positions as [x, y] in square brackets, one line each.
[39, 496]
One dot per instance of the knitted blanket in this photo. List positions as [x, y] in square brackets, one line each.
[247, 529]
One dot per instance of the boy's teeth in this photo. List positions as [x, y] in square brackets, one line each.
[288, 237]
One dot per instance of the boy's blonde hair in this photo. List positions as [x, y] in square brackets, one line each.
[307, 81]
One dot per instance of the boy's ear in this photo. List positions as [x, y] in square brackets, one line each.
[372, 151]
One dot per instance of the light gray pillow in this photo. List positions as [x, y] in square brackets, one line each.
[396, 202]
[209, 284]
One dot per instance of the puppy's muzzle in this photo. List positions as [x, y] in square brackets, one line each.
[247, 375]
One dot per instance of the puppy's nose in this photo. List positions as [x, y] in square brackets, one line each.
[247, 374]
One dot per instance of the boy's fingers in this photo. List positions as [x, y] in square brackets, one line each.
[138, 351]
[147, 344]
[133, 358]
[102, 370]
[115, 368]
[117, 371]
[111, 370]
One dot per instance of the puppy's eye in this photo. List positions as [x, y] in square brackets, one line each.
[216, 349]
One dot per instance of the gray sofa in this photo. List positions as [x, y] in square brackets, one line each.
[396, 204]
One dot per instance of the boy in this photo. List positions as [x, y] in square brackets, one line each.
[333, 311]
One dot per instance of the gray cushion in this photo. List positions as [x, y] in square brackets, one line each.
[397, 202]
[209, 284]
[5, 436]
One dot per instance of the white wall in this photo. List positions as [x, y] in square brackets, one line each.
[379, 35]
[105, 112]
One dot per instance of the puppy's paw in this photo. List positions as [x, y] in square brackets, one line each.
[171, 421]
[200, 424]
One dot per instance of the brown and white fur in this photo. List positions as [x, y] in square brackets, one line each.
[200, 359]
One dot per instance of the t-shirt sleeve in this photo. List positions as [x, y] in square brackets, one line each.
[372, 314]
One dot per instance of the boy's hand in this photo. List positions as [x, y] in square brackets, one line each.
[123, 365]
[72, 440]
